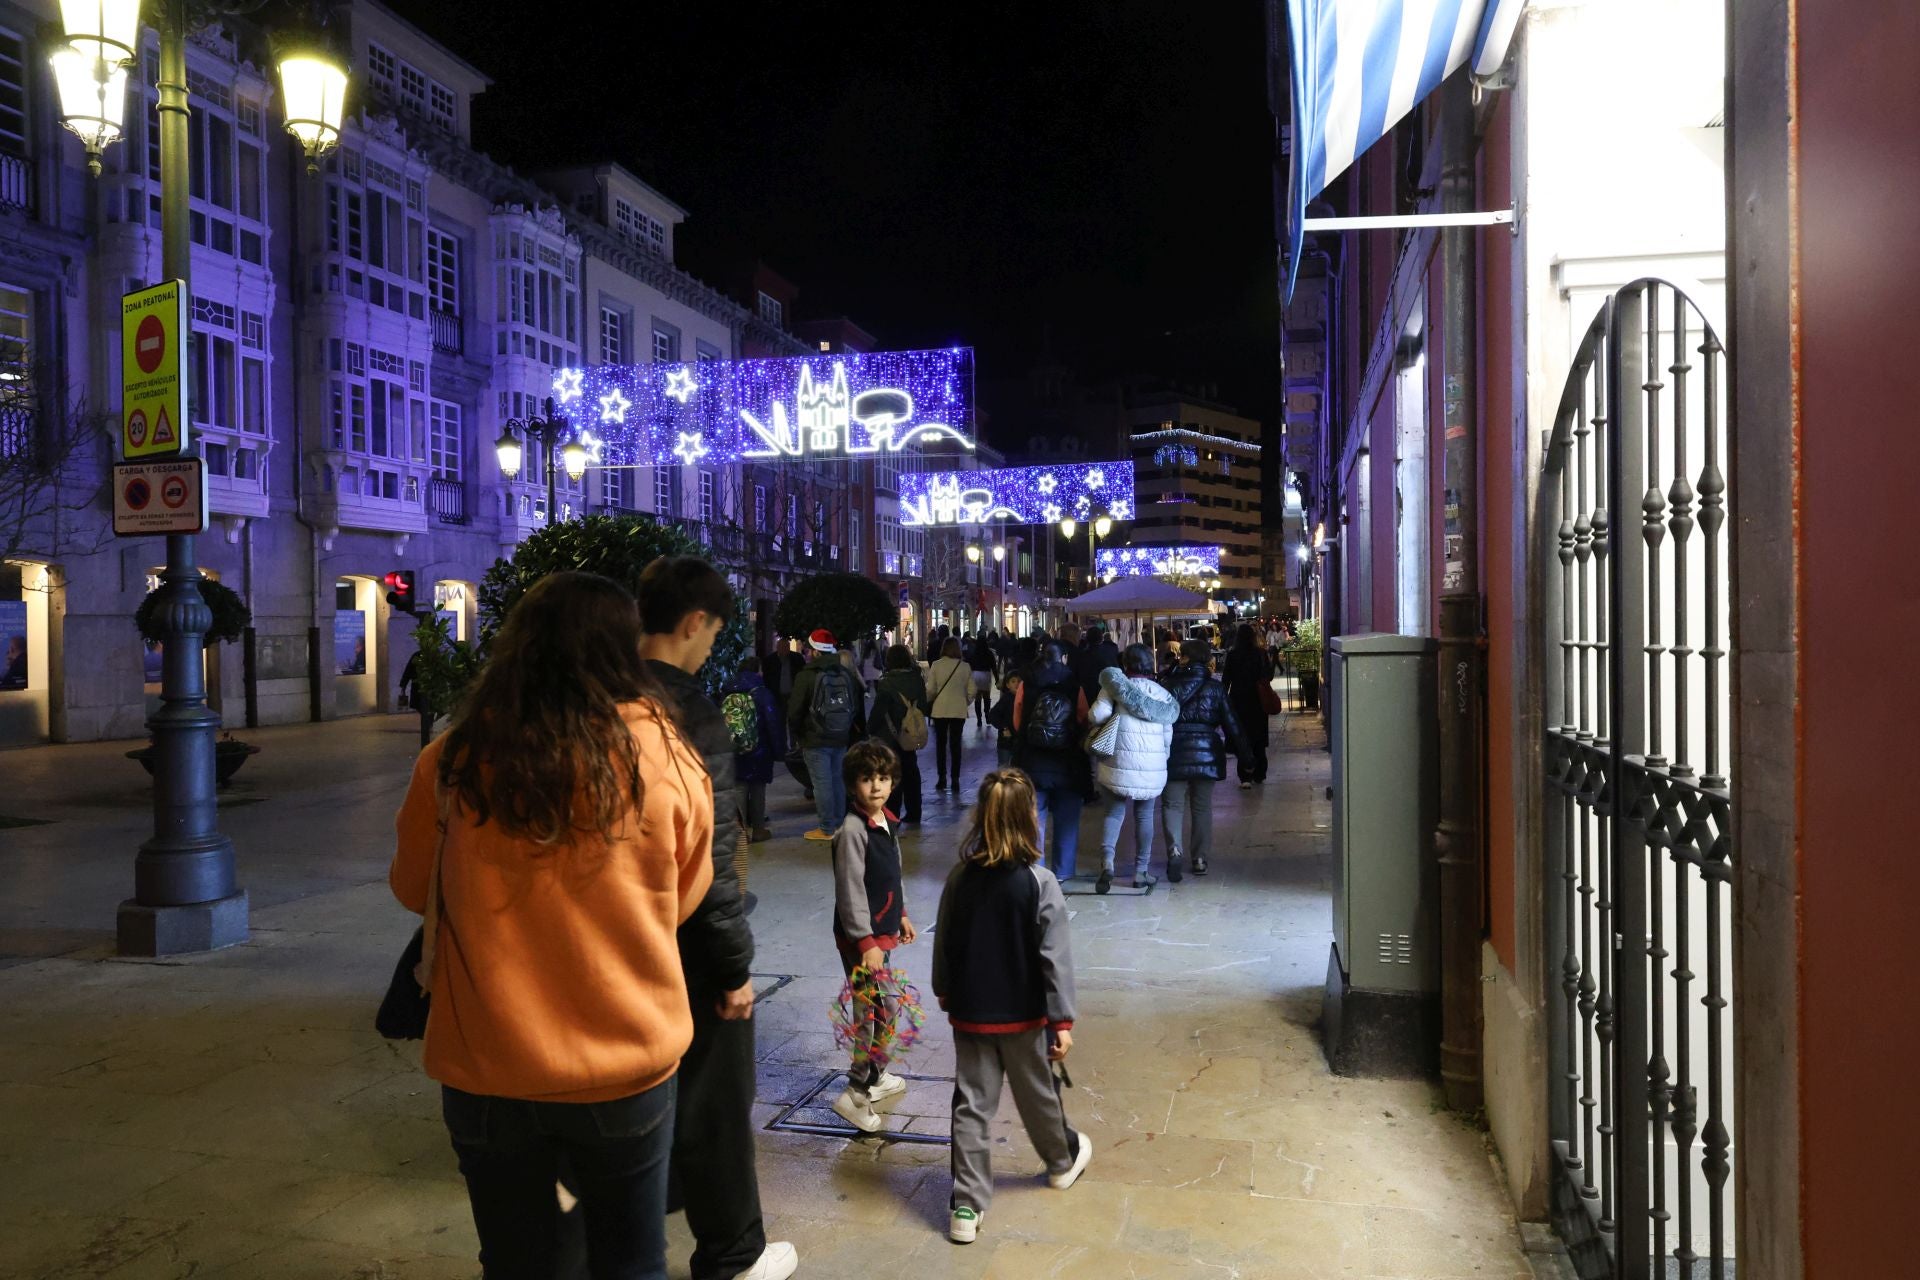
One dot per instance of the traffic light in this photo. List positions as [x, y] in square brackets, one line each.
[400, 590]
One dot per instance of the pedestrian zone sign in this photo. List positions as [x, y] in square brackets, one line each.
[164, 496]
[153, 398]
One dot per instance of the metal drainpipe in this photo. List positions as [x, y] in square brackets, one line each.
[1457, 838]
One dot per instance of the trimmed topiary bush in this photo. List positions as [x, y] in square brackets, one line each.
[850, 606]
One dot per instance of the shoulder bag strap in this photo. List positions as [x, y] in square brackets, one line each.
[957, 664]
[430, 922]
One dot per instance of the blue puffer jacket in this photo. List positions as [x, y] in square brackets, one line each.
[1138, 767]
[1207, 728]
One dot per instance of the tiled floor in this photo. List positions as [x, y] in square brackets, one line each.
[234, 1115]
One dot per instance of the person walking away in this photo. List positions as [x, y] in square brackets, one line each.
[1206, 730]
[825, 715]
[1133, 776]
[869, 920]
[1100, 654]
[900, 691]
[1245, 671]
[759, 733]
[983, 663]
[1000, 718]
[684, 603]
[1003, 971]
[951, 680]
[1049, 713]
[562, 803]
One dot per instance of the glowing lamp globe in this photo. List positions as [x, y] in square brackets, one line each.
[1103, 526]
[999, 552]
[573, 456]
[104, 30]
[973, 554]
[1069, 526]
[314, 88]
[507, 449]
[93, 99]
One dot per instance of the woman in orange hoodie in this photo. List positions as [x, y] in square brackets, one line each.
[578, 826]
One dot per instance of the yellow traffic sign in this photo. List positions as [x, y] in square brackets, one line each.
[153, 388]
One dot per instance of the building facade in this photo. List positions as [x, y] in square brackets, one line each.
[360, 338]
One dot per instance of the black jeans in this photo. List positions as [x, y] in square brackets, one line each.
[512, 1152]
[906, 788]
[713, 1174]
[1252, 765]
[946, 745]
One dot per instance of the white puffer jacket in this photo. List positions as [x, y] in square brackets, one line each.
[1138, 767]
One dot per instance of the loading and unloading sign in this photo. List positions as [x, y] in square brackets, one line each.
[153, 327]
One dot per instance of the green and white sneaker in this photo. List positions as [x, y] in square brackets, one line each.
[963, 1225]
[887, 1086]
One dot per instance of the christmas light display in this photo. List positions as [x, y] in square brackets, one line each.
[1017, 495]
[1151, 562]
[718, 411]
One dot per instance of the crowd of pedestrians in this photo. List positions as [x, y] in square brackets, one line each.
[571, 841]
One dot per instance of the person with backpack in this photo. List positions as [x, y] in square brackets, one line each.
[1206, 730]
[951, 680]
[1049, 711]
[983, 663]
[759, 734]
[900, 708]
[825, 715]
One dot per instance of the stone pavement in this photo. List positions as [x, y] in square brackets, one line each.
[234, 1115]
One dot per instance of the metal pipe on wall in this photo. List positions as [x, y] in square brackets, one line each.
[1459, 836]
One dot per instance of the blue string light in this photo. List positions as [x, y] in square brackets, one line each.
[1018, 495]
[1146, 562]
[849, 405]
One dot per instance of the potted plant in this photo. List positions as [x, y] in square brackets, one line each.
[1303, 655]
[231, 618]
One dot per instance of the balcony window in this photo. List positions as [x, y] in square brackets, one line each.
[13, 94]
[445, 442]
[772, 310]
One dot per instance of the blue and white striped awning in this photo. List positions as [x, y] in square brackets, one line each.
[1359, 66]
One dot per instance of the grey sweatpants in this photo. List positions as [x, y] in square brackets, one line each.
[1194, 794]
[980, 1062]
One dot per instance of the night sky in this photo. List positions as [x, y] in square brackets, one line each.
[1089, 181]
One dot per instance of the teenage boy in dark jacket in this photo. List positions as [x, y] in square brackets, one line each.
[755, 768]
[684, 602]
[1203, 735]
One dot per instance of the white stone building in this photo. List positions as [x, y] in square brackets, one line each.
[360, 337]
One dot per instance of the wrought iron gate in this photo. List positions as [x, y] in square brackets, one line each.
[1638, 854]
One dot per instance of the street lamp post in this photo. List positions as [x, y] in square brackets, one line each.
[186, 893]
[1097, 528]
[973, 558]
[549, 431]
[1000, 559]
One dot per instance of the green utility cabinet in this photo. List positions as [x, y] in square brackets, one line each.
[1383, 975]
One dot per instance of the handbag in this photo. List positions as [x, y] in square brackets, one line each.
[1104, 741]
[403, 1011]
[1269, 700]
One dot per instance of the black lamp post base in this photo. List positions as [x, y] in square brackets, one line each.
[179, 930]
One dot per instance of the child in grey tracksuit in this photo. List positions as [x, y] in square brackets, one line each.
[1003, 971]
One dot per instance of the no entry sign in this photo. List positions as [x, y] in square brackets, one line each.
[167, 496]
[153, 326]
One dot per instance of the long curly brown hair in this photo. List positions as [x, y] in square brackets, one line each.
[540, 745]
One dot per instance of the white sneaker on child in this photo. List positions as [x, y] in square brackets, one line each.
[778, 1262]
[1081, 1159]
[856, 1108]
[963, 1225]
[887, 1086]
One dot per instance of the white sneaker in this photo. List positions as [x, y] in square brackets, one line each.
[963, 1224]
[856, 1109]
[779, 1261]
[887, 1086]
[1081, 1159]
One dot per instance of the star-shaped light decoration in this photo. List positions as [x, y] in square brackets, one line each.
[1119, 509]
[1095, 479]
[681, 386]
[691, 448]
[1048, 483]
[566, 384]
[594, 446]
[1052, 512]
[614, 406]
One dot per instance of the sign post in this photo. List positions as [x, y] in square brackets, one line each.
[153, 329]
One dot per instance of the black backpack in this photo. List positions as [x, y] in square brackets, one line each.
[1048, 723]
[831, 712]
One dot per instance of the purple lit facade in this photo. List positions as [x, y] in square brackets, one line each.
[1017, 495]
[845, 405]
[1144, 562]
